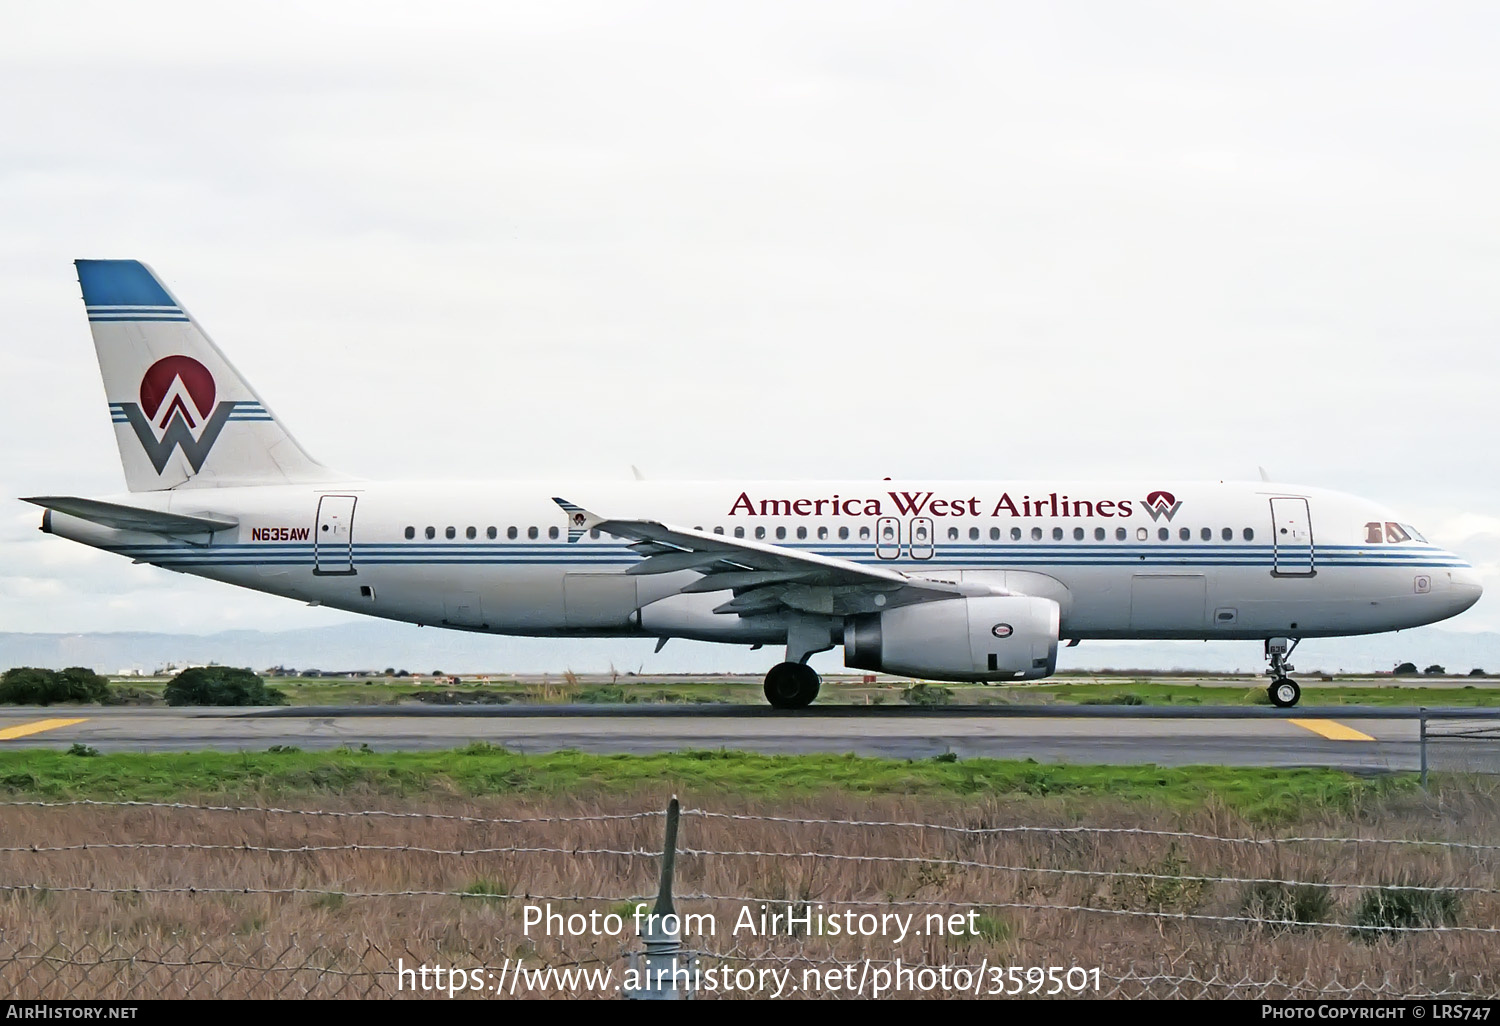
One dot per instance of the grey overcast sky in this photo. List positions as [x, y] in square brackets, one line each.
[446, 240]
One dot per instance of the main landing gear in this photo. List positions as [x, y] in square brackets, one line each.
[1284, 691]
[791, 685]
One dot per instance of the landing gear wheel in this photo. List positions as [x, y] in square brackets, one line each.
[791, 685]
[1284, 692]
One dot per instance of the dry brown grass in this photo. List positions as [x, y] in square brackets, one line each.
[85, 944]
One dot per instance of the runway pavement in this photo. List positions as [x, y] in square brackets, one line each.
[1352, 738]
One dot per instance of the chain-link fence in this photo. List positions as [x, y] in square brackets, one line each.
[145, 900]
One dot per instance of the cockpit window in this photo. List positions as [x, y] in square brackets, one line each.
[1415, 534]
[1374, 533]
[1394, 533]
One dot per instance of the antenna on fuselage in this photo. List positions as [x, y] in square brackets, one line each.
[1263, 475]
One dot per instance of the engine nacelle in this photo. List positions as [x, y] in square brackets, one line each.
[987, 637]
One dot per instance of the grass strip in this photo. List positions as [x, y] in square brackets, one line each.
[1264, 795]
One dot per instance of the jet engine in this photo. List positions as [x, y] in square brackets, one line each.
[981, 638]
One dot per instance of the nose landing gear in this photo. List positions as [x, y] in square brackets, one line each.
[1284, 691]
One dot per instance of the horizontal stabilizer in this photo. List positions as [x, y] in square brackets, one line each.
[129, 518]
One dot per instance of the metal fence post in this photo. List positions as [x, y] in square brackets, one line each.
[657, 970]
[1422, 740]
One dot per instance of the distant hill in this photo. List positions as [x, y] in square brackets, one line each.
[376, 644]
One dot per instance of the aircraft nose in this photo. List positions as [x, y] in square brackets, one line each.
[1466, 588]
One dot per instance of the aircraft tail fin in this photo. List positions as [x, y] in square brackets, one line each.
[183, 416]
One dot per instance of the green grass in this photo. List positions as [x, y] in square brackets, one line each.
[630, 690]
[1272, 795]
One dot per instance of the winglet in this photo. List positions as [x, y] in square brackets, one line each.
[579, 519]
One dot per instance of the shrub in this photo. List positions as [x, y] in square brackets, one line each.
[27, 685]
[1276, 905]
[128, 695]
[1391, 908]
[220, 685]
[1404, 669]
[927, 694]
[82, 750]
[1434, 670]
[1477, 672]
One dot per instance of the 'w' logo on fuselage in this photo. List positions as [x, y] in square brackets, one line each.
[1162, 504]
[177, 411]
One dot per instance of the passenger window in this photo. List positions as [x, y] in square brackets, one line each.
[760, 532]
[1120, 534]
[1078, 534]
[1098, 534]
[1393, 533]
[1015, 534]
[450, 533]
[411, 532]
[973, 534]
[1208, 534]
[953, 534]
[472, 533]
[491, 533]
[1227, 534]
[1249, 534]
[1036, 534]
[431, 532]
[801, 532]
[1057, 534]
[994, 534]
[552, 533]
[843, 534]
[1140, 534]
[822, 534]
[780, 533]
[864, 534]
[719, 530]
[739, 532]
[510, 532]
[1374, 533]
[532, 532]
[1163, 533]
[594, 534]
[1185, 534]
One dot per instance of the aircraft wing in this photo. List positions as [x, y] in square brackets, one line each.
[132, 518]
[764, 577]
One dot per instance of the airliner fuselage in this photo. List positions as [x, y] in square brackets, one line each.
[947, 580]
[1233, 560]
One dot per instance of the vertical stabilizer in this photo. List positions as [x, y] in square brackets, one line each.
[183, 416]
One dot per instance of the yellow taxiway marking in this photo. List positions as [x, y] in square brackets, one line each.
[36, 727]
[1333, 730]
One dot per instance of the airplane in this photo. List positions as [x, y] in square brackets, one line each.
[940, 580]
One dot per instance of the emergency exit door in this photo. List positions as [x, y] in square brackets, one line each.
[1291, 537]
[333, 542]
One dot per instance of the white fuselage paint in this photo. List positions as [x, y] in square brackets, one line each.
[347, 547]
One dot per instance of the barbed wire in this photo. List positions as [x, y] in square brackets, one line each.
[1049, 870]
[473, 895]
[310, 848]
[372, 813]
[1135, 831]
[1103, 910]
